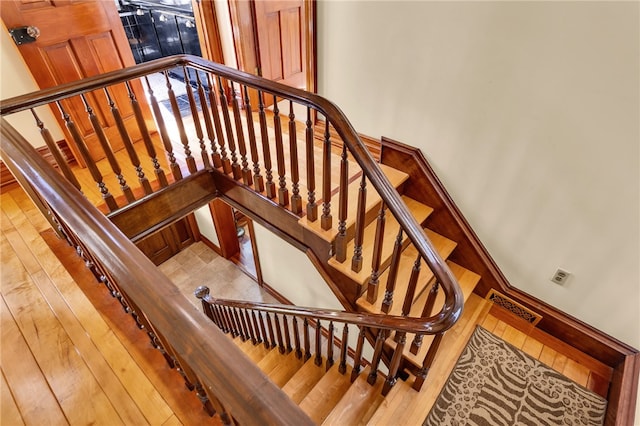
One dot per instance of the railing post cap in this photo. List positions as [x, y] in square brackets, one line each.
[201, 292]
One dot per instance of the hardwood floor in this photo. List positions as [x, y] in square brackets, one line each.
[70, 355]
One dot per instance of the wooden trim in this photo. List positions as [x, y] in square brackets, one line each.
[209, 244]
[254, 250]
[448, 220]
[225, 228]
[373, 145]
[6, 178]
[204, 12]
[245, 43]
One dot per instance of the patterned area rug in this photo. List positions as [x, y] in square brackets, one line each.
[495, 384]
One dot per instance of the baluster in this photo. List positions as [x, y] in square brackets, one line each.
[387, 302]
[326, 220]
[356, 260]
[128, 145]
[258, 181]
[283, 192]
[55, 151]
[215, 156]
[84, 153]
[106, 148]
[307, 343]
[281, 347]
[271, 334]
[342, 367]
[318, 359]
[428, 361]
[357, 359]
[401, 339]
[193, 106]
[201, 293]
[231, 321]
[263, 330]
[164, 135]
[411, 289]
[312, 207]
[255, 327]
[219, 160]
[372, 287]
[296, 338]
[191, 162]
[426, 311]
[287, 335]
[377, 354]
[330, 346]
[241, 331]
[144, 131]
[247, 321]
[231, 142]
[246, 173]
[296, 199]
[219, 318]
[270, 186]
[245, 328]
[341, 238]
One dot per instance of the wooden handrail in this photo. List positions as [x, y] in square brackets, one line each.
[238, 383]
[452, 306]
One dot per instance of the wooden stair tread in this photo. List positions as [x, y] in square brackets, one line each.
[443, 246]
[286, 368]
[396, 177]
[325, 394]
[391, 229]
[359, 402]
[467, 280]
[301, 383]
[254, 352]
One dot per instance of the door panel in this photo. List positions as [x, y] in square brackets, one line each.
[78, 39]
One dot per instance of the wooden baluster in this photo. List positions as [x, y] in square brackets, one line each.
[223, 321]
[356, 260]
[330, 346]
[245, 327]
[263, 330]
[387, 302]
[341, 238]
[428, 361]
[242, 146]
[91, 165]
[193, 106]
[208, 125]
[219, 319]
[342, 367]
[377, 354]
[270, 186]
[312, 207]
[201, 293]
[241, 330]
[191, 162]
[258, 181]
[326, 220]
[144, 131]
[128, 145]
[106, 148]
[401, 339]
[256, 328]
[411, 289]
[164, 135]
[55, 151]
[296, 198]
[247, 318]
[271, 334]
[231, 321]
[221, 159]
[296, 338]
[307, 343]
[318, 359]
[287, 334]
[426, 311]
[281, 347]
[357, 359]
[231, 142]
[372, 287]
[283, 192]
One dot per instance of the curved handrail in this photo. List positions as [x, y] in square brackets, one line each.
[453, 303]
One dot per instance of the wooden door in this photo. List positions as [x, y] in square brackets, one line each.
[78, 39]
[167, 242]
[282, 40]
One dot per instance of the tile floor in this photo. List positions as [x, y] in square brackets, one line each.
[199, 265]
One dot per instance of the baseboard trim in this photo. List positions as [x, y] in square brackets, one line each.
[449, 221]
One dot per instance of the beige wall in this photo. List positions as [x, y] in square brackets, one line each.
[529, 113]
[15, 80]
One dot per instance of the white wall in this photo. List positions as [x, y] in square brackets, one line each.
[529, 113]
[205, 225]
[15, 80]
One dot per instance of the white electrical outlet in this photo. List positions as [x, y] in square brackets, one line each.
[560, 276]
